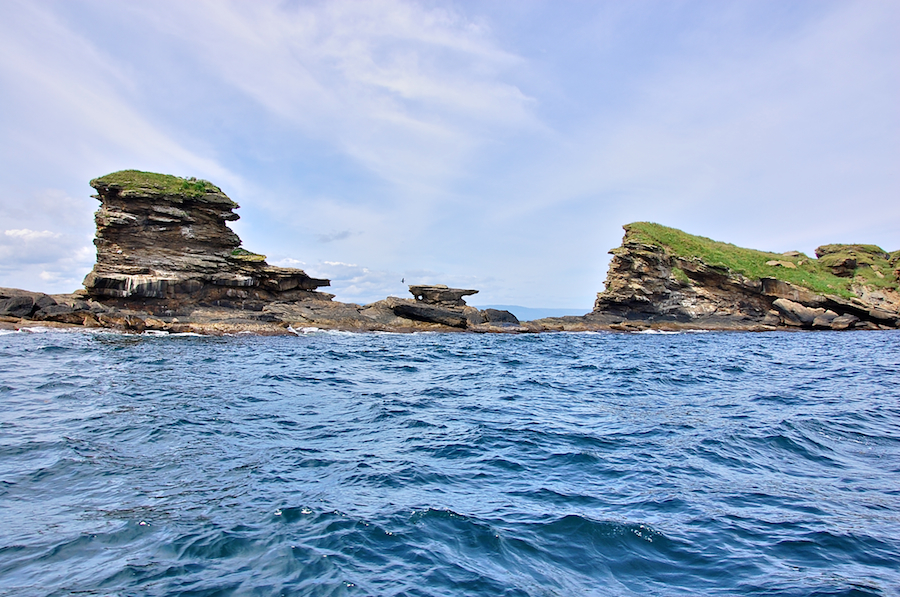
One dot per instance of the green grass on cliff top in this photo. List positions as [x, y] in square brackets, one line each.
[809, 273]
[165, 184]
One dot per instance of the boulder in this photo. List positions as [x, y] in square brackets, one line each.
[843, 322]
[796, 314]
[824, 320]
[420, 311]
[17, 306]
[497, 316]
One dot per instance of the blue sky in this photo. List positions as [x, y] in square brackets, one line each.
[491, 145]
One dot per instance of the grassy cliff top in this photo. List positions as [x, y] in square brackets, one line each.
[810, 273]
[157, 184]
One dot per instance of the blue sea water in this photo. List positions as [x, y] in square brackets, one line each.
[450, 464]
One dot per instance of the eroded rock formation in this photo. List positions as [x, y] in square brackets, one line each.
[167, 261]
[655, 282]
[163, 237]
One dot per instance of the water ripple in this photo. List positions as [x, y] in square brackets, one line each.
[432, 464]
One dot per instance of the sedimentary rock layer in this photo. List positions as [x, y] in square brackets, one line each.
[164, 237]
[661, 274]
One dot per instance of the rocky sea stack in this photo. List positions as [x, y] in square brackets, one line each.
[162, 241]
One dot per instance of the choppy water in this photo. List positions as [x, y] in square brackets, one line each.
[434, 464]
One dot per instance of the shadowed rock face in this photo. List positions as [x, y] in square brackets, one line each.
[164, 237]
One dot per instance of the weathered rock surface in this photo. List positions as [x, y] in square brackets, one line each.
[167, 261]
[651, 284]
[163, 237]
[439, 294]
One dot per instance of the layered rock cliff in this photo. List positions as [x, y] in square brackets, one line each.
[164, 237]
[661, 274]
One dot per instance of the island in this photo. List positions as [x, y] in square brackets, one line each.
[168, 262]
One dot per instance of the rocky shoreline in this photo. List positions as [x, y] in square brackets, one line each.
[167, 262]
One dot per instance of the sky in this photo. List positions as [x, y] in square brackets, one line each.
[494, 145]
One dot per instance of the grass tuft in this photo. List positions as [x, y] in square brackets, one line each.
[243, 254]
[162, 184]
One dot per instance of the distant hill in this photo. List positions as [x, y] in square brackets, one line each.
[532, 313]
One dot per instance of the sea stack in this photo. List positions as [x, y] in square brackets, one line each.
[163, 237]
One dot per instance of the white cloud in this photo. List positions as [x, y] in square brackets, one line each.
[408, 91]
[61, 89]
[30, 235]
[499, 152]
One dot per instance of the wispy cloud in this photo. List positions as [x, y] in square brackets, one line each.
[334, 236]
[408, 91]
[61, 89]
[30, 235]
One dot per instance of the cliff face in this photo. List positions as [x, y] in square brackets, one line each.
[164, 237]
[661, 274]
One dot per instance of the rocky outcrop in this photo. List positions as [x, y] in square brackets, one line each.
[441, 305]
[660, 275]
[167, 261]
[440, 295]
[165, 238]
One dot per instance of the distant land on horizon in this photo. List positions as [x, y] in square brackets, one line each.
[532, 313]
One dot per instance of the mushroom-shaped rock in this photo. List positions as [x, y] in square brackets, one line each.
[438, 294]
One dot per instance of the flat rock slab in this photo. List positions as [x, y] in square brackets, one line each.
[439, 294]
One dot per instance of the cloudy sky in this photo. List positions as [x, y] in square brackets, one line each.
[489, 145]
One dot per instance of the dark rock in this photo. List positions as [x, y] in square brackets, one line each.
[843, 322]
[50, 311]
[771, 318]
[43, 301]
[17, 306]
[431, 313]
[495, 316]
[63, 314]
[473, 316]
[844, 267]
[824, 320]
[796, 314]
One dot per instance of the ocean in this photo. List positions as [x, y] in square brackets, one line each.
[450, 464]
